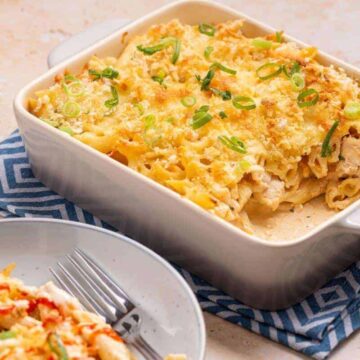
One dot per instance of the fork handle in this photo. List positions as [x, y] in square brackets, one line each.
[143, 347]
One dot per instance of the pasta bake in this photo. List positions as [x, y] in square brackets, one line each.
[46, 323]
[227, 121]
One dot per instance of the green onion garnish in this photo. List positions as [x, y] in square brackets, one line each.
[69, 78]
[233, 143]
[71, 109]
[114, 100]
[207, 29]
[244, 165]
[225, 94]
[110, 73]
[295, 68]
[4, 335]
[149, 122]
[269, 70]
[188, 101]
[244, 103]
[158, 79]
[208, 51]
[297, 81]
[74, 89]
[140, 107]
[203, 108]
[262, 43]
[278, 36]
[352, 110]
[222, 114]
[67, 130]
[326, 148]
[201, 117]
[163, 44]
[223, 68]
[176, 53]
[57, 346]
[205, 83]
[312, 93]
[106, 73]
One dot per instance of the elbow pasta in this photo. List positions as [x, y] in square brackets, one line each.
[222, 128]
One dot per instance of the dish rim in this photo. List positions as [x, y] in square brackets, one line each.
[195, 304]
[332, 221]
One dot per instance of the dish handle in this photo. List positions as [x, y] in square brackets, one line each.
[84, 39]
[351, 223]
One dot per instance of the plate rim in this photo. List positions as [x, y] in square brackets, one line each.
[147, 251]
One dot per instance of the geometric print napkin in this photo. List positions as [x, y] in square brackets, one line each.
[314, 327]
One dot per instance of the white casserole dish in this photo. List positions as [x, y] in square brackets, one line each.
[258, 272]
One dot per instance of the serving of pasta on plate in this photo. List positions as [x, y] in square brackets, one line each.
[227, 121]
[46, 323]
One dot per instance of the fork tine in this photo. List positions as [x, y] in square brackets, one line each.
[105, 281]
[73, 291]
[101, 307]
[88, 278]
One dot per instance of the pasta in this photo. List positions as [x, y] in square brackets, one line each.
[46, 323]
[220, 118]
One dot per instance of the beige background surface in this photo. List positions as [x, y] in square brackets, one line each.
[29, 29]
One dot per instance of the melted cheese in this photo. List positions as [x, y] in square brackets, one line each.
[150, 129]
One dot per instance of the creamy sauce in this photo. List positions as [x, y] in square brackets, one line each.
[289, 222]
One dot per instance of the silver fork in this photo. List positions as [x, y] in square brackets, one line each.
[98, 292]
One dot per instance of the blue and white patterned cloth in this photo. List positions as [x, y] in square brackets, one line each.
[315, 326]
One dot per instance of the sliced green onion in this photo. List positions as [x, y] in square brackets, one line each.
[203, 108]
[4, 335]
[108, 72]
[114, 100]
[233, 143]
[244, 165]
[208, 51]
[278, 36]
[269, 70]
[71, 109]
[244, 103]
[326, 148]
[222, 114]
[295, 68]
[69, 78]
[158, 79]
[352, 110]
[207, 29]
[223, 68]
[67, 130]
[57, 346]
[312, 93]
[188, 101]
[201, 117]
[163, 44]
[149, 122]
[200, 120]
[262, 43]
[140, 107]
[74, 89]
[207, 79]
[150, 50]
[176, 53]
[297, 81]
[225, 94]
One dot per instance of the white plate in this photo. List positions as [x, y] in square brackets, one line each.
[173, 319]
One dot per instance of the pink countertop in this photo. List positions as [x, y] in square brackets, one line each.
[29, 29]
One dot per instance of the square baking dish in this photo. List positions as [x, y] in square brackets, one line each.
[257, 272]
